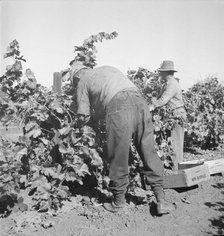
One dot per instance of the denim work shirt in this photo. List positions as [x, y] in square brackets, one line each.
[172, 95]
[97, 87]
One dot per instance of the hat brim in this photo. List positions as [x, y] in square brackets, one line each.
[167, 70]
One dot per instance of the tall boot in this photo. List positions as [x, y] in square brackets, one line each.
[163, 207]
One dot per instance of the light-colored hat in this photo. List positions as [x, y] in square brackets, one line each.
[167, 66]
[76, 67]
[69, 73]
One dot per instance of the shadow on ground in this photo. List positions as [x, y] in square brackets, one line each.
[217, 224]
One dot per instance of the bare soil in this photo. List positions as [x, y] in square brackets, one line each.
[199, 211]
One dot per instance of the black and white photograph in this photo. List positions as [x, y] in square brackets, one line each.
[111, 117]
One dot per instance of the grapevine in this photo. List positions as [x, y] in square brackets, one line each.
[54, 154]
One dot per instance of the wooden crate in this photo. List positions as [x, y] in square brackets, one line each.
[215, 166]
[187, 177]
[190, 164]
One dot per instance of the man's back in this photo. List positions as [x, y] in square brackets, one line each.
[97, 87]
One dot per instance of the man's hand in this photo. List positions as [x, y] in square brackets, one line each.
[151, 107]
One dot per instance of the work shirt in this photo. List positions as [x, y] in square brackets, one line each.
[97, 87]
[172, 95]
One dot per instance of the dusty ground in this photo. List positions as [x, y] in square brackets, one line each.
[199, 211]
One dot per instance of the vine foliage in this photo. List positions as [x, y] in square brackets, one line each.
[54, 154]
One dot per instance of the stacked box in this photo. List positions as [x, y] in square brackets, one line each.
[215, 166]
[190, 164]
[187, 177]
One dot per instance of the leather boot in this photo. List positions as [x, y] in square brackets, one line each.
[163, 207]
[116, 204]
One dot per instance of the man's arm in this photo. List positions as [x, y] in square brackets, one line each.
[169, 93]
[83, 103]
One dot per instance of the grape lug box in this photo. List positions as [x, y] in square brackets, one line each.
[187, 177]
[215, 166]
[190, 164]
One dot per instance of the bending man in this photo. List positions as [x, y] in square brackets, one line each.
[112, 95]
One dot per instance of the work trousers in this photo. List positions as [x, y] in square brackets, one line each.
[128, 117]
[177, 138]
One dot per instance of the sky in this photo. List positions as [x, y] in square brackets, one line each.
[188, 32]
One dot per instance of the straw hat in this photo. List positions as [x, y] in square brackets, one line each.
[167, 66]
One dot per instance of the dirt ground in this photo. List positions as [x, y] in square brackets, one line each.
[199, 211]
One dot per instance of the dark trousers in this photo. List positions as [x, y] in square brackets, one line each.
[128, 117]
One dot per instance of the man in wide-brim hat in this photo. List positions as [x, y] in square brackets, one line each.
[172, 96]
